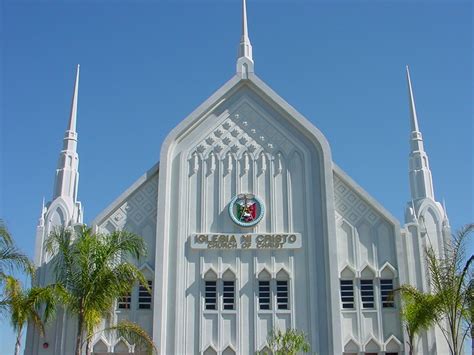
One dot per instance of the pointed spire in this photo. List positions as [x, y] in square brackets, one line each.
[67, 170]
[245, 48]
[245, 58]
[73, 115]
[421, 183]
[411, 97]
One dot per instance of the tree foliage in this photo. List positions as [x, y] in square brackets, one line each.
[450, 279]
[35, 305]
[419, 312]
[287, 342]
[93, 270]
[11, 258]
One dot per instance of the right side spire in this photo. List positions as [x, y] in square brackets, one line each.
[421, 183]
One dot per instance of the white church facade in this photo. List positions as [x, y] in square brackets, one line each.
[250, 227]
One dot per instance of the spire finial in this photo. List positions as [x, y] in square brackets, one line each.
[245, 58]
[245, 48]
[73, 115]
[414, 118]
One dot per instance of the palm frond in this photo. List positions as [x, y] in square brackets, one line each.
[135, 334]
[5, 237]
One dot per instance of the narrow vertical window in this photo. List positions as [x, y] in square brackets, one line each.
[347, 294]
[264, 294]
[386, 292]
[125, 301]
[282, 294]
[210, 297]
[228, 298]
[367, 293]
[144, 297]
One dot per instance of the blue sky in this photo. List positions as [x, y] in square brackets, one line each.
[145, 65]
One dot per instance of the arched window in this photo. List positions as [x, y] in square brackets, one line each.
[228, 290]
[282, 290]
[347, 288]
[264, 291]
[367, 288]
[210, 290]
[387, 276]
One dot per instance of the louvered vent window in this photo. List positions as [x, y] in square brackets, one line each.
[228, 298]
[386, 291]
[144, 297]
[210, 299]
[367, 293]
[347, 294]
[264, 294]
[282, 294]
[125, 301]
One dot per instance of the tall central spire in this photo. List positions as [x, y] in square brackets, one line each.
[245, 48]
[245, 58]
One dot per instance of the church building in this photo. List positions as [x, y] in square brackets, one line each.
[252, 227]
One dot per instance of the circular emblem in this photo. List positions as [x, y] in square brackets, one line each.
[246, 210]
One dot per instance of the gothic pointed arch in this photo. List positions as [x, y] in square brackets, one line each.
[210, 274]
[282, 274]
[388, 271]
[101, 346]
[393, 344]
[367, 272]
[229, 274]
[264, 274]
[210, 350]
[352, 346]
[348, 272]
[229, 350]
[122, 346]
[372, 345]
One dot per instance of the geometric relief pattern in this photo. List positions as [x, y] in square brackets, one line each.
[138, 207]
[244, 131]
[350, 206]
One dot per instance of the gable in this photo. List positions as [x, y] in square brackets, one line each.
[135, 211]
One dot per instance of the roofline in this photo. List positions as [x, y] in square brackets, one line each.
[365, 195]
[119, 200]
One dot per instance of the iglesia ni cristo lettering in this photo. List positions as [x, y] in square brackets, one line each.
[251, 226]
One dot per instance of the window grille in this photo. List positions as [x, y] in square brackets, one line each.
[264, 294]
[367, 293]
[125, 301]
[347, 294]
[210, 297]
[228, 298]
[386, 291]
[282, 294]
[144, 297]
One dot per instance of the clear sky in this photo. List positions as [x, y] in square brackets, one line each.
[145, 65]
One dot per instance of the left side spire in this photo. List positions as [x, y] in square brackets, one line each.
[67, 174]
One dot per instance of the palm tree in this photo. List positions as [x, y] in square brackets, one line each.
[450, 278]
[11, 258]
[289, 342]
[24, 306]
[419, 312]
[93, 271]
